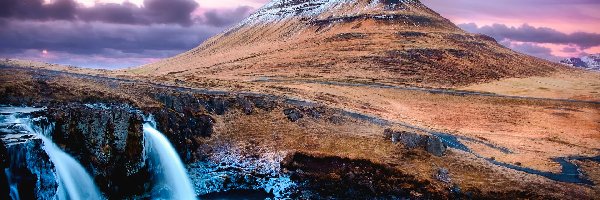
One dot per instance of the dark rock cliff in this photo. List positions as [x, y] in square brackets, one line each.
[36, 178]
[107, 139]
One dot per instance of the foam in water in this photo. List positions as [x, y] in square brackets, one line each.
[172, 169]
[74, 181]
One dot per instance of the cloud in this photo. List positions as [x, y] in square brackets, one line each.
[221, 18]
[570, 50]
[69, 40]
[152, 11]
[36, 9]
[108, 35]
[125, 13]
[169, 11]
[527, 33]
[532, 49]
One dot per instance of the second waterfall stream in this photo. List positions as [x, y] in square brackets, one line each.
[172, 172]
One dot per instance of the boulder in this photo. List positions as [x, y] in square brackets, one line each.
[435, 146]
[411, 140]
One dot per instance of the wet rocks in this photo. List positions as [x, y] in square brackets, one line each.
[26, 171]
[293, 114]
[29, 170]
[183, 128]
[228, 168]
[410, 140]
[105, 138]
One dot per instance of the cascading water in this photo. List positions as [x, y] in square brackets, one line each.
[173, 172]
[14, 192]
[73, 180]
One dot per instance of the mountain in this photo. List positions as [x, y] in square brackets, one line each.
[387, 41]
[589, 62]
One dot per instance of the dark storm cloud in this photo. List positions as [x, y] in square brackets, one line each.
[108, 35]
[168, 11]
[526, 33]
[221, 18]
[35, 9]
[152, 12]
[95, 37]
[532, 49]
[99, 44]
[125, 13]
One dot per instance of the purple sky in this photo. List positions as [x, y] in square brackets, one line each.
[121, 33]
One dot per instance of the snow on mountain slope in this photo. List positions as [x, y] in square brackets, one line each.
[589, 62]
[284, 9]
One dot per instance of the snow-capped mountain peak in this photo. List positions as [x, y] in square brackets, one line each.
[590, 62]
[278, 10]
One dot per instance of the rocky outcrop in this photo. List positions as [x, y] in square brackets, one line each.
[332, 177]
[28, 170]
[411, 140]
[183, 128]
[107, 140]
[185, 117]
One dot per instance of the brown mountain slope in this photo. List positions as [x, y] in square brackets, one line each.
[391, 41]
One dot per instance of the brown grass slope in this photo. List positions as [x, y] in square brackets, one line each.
[401, 42]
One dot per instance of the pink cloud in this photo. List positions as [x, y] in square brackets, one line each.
[566, 16]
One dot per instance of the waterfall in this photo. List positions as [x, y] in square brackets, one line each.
[14, 191]
[73, 180]
[173, 172]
